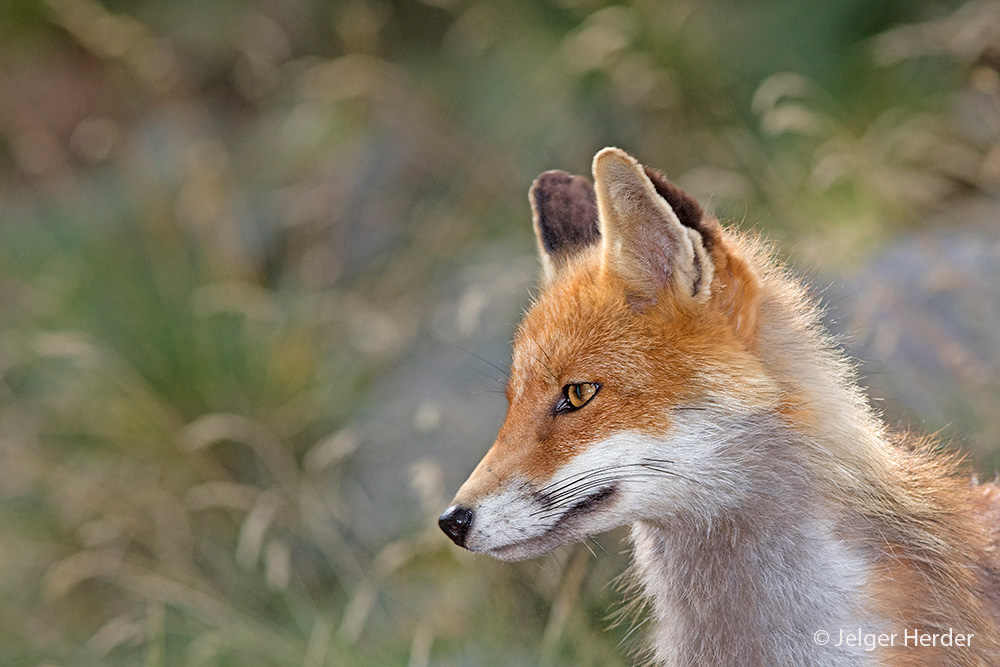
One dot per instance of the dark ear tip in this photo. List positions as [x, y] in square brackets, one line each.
[554, 176]
[564, 208]
[559, 189]
[557, 179]
[688, 210]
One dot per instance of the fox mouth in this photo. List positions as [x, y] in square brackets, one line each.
[566, 528]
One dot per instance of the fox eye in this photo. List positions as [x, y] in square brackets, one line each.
[577, 395]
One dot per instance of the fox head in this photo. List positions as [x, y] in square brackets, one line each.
[632, 374]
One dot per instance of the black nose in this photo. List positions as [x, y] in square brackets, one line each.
[456, 522]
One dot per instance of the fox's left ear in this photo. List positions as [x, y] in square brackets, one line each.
[564, 209]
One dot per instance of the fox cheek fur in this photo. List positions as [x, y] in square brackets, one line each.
[672, 375]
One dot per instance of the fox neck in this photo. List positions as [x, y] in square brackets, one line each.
[752, 584]
[834, 528]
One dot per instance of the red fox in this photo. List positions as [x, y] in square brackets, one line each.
[672, 375]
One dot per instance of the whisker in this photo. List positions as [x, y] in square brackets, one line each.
[484, 360]
[556, 487]
[559, 495]
[548, 488]
[567, 486]
[481, 375]
[581, 486]
[552, 373]
[569, 500]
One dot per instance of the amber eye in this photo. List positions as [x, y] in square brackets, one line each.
[577, 395]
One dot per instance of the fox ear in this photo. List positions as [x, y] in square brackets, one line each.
[564, 209]
[654, 235]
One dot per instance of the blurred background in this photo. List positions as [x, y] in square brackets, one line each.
[260, 262]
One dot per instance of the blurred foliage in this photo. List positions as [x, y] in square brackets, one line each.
[227, 225]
